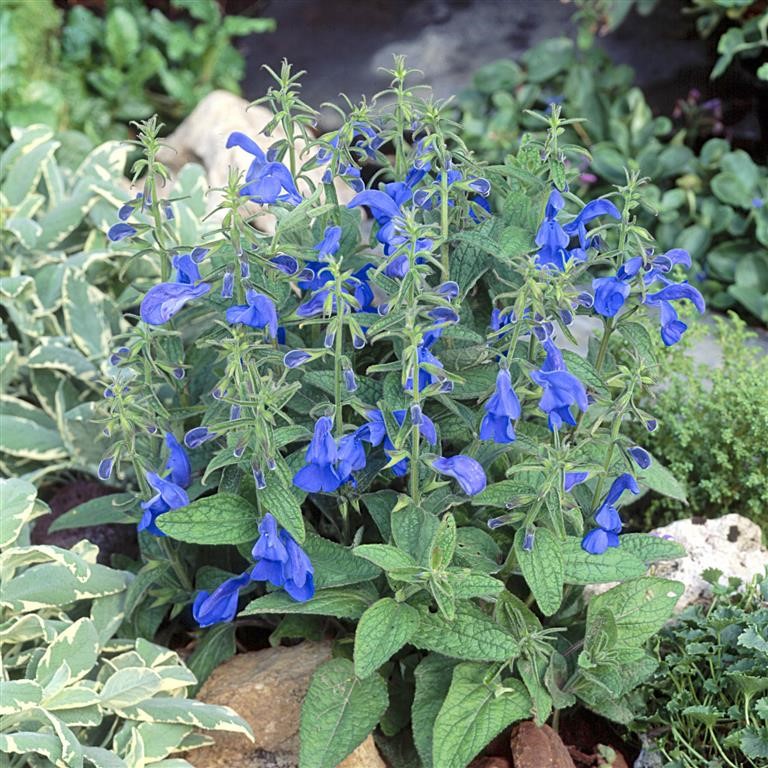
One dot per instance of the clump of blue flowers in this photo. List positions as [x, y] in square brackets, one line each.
[364, 388]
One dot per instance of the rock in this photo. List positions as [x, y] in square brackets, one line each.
[267, 689]
[202, 138]
[732, 544]
[490, 762]
[534, 747]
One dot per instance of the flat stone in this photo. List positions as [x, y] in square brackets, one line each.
[267, 689]
[731, 544]
[538, 747]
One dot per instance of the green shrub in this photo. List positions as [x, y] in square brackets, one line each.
[73, 691]
[707, 702]
[712, 428]
[89, 72]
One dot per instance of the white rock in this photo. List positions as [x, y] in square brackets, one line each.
[731, 544]
[202, 138]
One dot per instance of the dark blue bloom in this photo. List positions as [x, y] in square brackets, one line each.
[105, 468]
[119, 232]
[259, 312]
[319, 473]
[561, 388]
[426, 376]
[125, 211]
[465, 470]
[169, 496]
[610, 295]
[187, 271]
[641, 456]
[502, 408]
[295, 358]
[199, 253]
[316, 304]
[574, 478]
[330, 243]
[195, 437]
[590, 211]
[448, 290]
[227, 285]
[266, 182]
[316, 277]
[672, 328]
[282, 562]
[178, 462]
[351, 456]
[221, 605]
[164, 300]
[285, 263]
[607, 517]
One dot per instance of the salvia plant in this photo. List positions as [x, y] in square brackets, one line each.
[383, 430]
[74, 691]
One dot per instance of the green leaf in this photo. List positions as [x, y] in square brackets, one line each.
[413, 530]
[122, 37]
[339, 711]
[433, 679]
[26, 439]
[279, 499]
[639, 607]
[78, 646]
[341, 602]
[543, 568]
[130, 686]
[472, 635]
[504, 492]
[221, 519]
[186, 712]
[89, 329]
[382, 631]
[18, 501]
[651, 549]
[615, 564]
[103, 510]
[335, 565]
[385, 556]
[474, 712]
[32, 742]
[658, 478]
[443, 544]
[584, 371]
[18, 695]
[638, 337]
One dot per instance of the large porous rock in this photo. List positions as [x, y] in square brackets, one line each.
[538, 747]
[731, 544]
[267, 689]
[202, 138]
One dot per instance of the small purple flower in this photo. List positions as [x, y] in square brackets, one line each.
[502, 408]
[169, 496]
[197, 436]
[319, 472]
[259, 312]
[178, 462]
[105, 468]
[221, 605]
[328, 246]
[641, 456]
[607, 517]
[561, 389]
[165, 300]
[118, 232]
[610, 295]
[465, 470]
[574, 478]
[295, 358]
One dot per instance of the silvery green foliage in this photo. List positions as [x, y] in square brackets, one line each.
[73, 693]
[63, 290]
[456, 607]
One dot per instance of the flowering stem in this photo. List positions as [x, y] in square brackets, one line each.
[176, 564]
[446, 270]
[338, 352]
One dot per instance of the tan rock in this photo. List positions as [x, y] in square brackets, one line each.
[732, 544]
[534, 747]
[202, 138]
[267, 689]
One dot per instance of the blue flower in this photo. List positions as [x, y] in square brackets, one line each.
[187, 271]
[572, 479]
[319, 472]
[195, 437]
[119, 232]
[610, 295]
[104, 470]
[590, 211]
[351, 456]
[426, 376]
[330, 243]
[209, 609]
[641, 456]
[502, 408]
[561, 388]
[266, 182]
[607, 517]
[178, 462]
[672, 328]
[282, 562]
[465, 470]
[169, 496]
[165, 300]
[259, 312]
[295, 358]
[375, 433]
